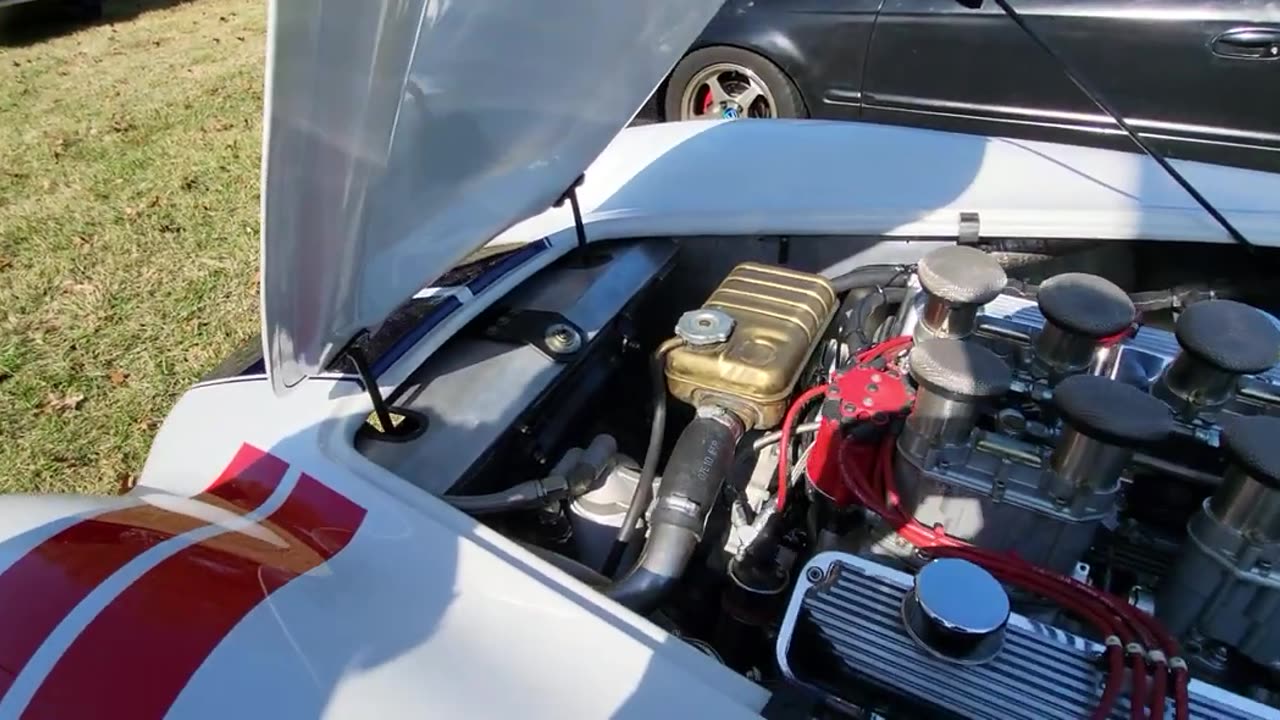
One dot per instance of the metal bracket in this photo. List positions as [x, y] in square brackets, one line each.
[970, 229]
[549, 332]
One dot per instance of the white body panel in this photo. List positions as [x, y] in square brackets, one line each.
[433, 612]
[806, 177]
[424, 613]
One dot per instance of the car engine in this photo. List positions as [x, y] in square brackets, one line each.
[905, 490]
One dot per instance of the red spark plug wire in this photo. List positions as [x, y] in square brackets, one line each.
[1150, 634]
[942, 545]
[784, 441]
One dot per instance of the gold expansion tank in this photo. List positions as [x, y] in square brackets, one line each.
[747, 345]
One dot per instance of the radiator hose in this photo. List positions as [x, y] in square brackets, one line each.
[691, 482]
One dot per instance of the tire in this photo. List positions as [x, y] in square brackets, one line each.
[82, 10]
[734, 68]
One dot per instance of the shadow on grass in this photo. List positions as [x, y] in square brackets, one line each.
[30, 23]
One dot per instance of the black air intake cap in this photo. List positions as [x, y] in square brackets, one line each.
[1230, 336]
[961, 275]
[1111, 411]
[1085, 304]
[961, 369]
[1253, 445]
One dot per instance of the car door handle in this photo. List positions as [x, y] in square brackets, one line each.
[1253, 43]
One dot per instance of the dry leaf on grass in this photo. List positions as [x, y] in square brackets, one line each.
[118, 377]
[60, 403]
[72, 286]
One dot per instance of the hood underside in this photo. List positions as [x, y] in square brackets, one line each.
[402, 135]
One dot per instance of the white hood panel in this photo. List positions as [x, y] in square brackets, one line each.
[400, 135]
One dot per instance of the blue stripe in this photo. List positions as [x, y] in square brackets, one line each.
[411, 338]
[436, 316]
[506, 265]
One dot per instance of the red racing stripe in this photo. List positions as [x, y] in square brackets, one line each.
[138, 654]
[38, 590]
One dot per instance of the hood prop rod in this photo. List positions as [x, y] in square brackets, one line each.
[380, 407]
[571, 194]
[1096, 98]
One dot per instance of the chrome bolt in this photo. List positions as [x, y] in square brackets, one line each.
[562, 339]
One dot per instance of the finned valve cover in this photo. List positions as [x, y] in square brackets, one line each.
[843, 635]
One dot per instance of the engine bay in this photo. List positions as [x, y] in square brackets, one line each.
[899, 490]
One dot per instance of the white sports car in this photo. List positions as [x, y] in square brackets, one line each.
[704, 420]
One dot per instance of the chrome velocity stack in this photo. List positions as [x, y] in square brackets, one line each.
[1080, 311]
[1224, 587]
[1220, 340]
[956, 281]
[955, 379]
[1104, 420]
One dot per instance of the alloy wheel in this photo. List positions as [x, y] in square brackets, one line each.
[729, 91]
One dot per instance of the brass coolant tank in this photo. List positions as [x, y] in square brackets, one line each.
[746, 347]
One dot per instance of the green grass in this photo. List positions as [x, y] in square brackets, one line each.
[129, 158]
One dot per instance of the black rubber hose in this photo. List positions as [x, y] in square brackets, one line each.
[690, 486]
[870, 276]
[649, 470]
[568, 565]
[869, 315]
[523, 496]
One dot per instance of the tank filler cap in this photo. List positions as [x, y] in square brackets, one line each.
[706, 326]
[961, 275]
[956, 611]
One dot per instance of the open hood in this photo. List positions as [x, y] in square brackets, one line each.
[400, 135]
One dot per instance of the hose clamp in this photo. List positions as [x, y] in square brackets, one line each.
[725, 417]
[553, 487]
